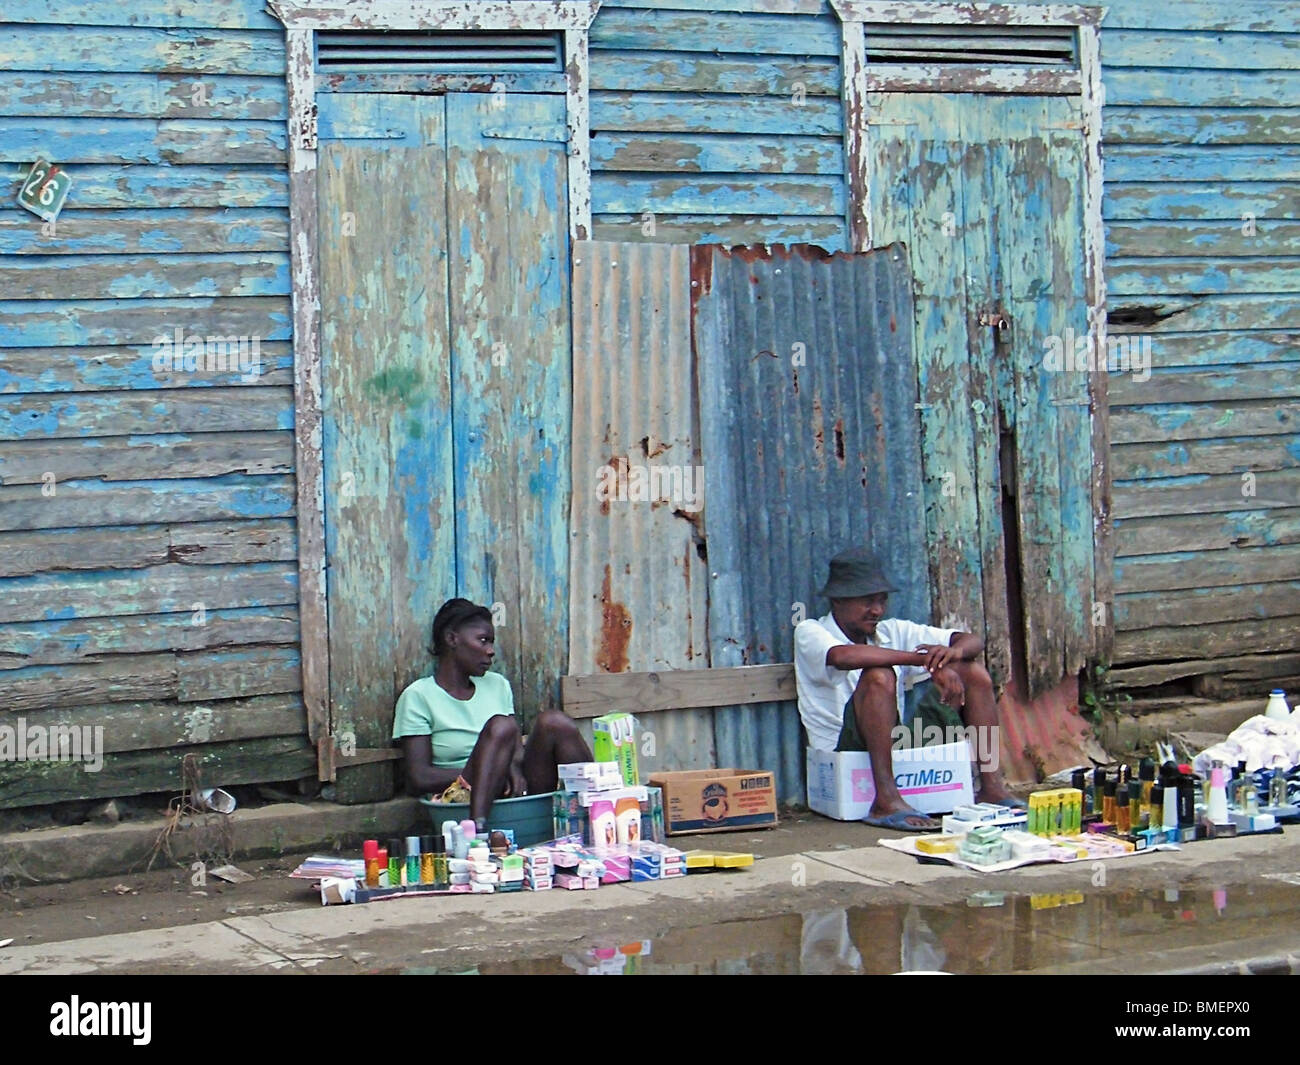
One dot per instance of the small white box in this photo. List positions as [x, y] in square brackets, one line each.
[1010, 821]
[932, 780]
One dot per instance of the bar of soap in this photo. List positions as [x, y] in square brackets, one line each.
[941, 844]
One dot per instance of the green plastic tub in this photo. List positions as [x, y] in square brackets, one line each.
[531, 816]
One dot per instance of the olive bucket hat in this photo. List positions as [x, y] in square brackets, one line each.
[856, 572]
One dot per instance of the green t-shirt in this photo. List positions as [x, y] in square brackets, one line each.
[424, 709]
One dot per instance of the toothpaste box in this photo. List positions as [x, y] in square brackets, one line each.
[575, 776]
[652, 815]
[614, 740]
[639, 793]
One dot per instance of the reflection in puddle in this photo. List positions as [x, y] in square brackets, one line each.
[989, 932]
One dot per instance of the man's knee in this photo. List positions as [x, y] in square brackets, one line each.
[878, 680]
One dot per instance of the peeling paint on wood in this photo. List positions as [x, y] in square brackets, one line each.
[129, 95]
[137, 458]
[89, 639]
[169, 588]
[436, 14]
[978, 14]
[134, 547]
[79, 504]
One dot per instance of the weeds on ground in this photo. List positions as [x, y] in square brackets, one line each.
[209, 832]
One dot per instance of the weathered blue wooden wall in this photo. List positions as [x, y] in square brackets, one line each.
[1202, 153]
[147, 549]
[150, 583]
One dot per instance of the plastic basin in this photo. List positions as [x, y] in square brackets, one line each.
[532, 817]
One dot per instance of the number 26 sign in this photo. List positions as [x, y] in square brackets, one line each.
[44, 189]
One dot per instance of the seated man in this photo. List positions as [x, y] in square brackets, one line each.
[458, 727]
[850, 670]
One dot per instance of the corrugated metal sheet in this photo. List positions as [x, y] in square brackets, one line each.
[637, 572]
[1045, 734]
[811, 444]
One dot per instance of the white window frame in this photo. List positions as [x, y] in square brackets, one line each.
[302, 19]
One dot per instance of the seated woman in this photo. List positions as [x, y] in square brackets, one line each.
[459, 726]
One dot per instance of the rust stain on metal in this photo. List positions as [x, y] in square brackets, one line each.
[701, 276]
[653, 447]
[615, 631]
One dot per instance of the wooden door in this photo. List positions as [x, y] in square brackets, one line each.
[445, 392]
[986, 191]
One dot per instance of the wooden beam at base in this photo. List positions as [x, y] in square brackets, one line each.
[680, 689]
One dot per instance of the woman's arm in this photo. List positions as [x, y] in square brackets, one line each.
[422, 776]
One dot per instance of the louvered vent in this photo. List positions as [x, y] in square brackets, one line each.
[437, 53]
[974, 45]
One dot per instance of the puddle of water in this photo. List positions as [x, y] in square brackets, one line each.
[990, 932]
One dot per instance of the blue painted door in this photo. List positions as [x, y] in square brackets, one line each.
[445, 391]
[985, 191]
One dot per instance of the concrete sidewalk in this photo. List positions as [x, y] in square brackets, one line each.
[455, 930]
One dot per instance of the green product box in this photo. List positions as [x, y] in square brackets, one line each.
[614, 738]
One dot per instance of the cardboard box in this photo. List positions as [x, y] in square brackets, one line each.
[717, 800]
[932, 780]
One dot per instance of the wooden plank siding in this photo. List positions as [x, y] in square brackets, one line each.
[717, 123]
[1202, 143]
[148, 577]
[148, 534]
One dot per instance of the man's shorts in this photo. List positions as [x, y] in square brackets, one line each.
[922, 694]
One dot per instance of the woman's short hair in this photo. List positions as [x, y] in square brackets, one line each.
[453, 614]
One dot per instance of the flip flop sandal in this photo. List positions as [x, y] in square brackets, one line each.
[897, 822]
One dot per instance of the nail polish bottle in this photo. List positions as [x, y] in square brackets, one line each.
[370, 853]
[396, 863]
[1147, 775]
[440, 880]
[1137, 810]
[426, 859]
[1078, 781]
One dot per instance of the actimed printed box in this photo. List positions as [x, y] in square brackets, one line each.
[932, 780]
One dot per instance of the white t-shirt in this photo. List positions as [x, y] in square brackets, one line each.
[823, 690]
